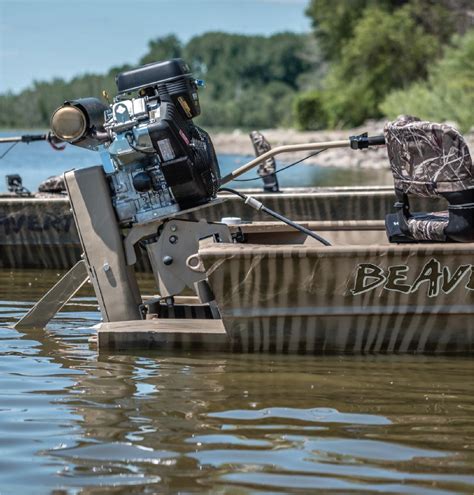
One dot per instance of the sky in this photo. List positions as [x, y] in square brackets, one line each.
[43, 39]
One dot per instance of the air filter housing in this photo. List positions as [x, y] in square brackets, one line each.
[172, 77]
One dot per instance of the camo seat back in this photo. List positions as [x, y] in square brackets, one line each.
[427, 159]
[53, 185]
[430, 160]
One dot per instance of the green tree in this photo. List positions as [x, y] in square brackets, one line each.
[250, 80]
[448, 93]
[387, 51]
[162, 48]
[309, 111]
[334, 22]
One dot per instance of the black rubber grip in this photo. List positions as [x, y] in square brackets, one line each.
[376, 140]
[28, 138]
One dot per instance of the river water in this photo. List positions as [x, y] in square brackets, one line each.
[73, 421]
[37, 161]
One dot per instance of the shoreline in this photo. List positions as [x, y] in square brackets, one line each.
[238, 142]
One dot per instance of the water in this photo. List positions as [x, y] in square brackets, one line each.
[73, 421]
[37, 161]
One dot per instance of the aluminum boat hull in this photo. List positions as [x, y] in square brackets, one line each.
[283, 293]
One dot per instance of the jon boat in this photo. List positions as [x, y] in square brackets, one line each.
[38, 231]
[403, 284]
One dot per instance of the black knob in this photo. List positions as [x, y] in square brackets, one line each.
[167, 260]
[142, 182]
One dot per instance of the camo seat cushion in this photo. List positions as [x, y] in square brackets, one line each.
[53, 185]
[427, 158]
[428, 226]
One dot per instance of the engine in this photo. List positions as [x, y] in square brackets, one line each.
[157, 161]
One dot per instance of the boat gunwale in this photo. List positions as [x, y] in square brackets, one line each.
[33, 199]
[301, 250]
[303, 194]
[290, 192]
[341, 311]
[325, 225]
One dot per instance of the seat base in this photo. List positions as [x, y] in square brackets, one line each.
[422, 227]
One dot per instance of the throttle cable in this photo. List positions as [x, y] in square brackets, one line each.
[254, 203]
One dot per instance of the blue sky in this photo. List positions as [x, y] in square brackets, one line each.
[43, 39]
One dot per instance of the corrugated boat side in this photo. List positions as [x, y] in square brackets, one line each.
[37, 233]
[310, 299]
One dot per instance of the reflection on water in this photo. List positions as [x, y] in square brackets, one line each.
[194, 423]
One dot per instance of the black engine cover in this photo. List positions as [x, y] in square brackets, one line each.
[187, 156]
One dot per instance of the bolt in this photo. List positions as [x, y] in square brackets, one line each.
[173, 228]
[167, 260]
[106, 267]
[193, 261]
[173, 239]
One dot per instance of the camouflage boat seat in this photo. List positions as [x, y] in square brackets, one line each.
[430, 160]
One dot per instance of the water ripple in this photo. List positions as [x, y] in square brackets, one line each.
[316, 415]
[78, 422]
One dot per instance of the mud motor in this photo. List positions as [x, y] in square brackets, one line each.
[157, 161]
[156, 166]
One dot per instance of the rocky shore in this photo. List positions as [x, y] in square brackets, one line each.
[238, 143]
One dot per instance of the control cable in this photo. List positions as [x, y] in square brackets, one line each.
[281, 169]
[254, 203]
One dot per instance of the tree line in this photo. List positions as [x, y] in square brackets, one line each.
[364, 59]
